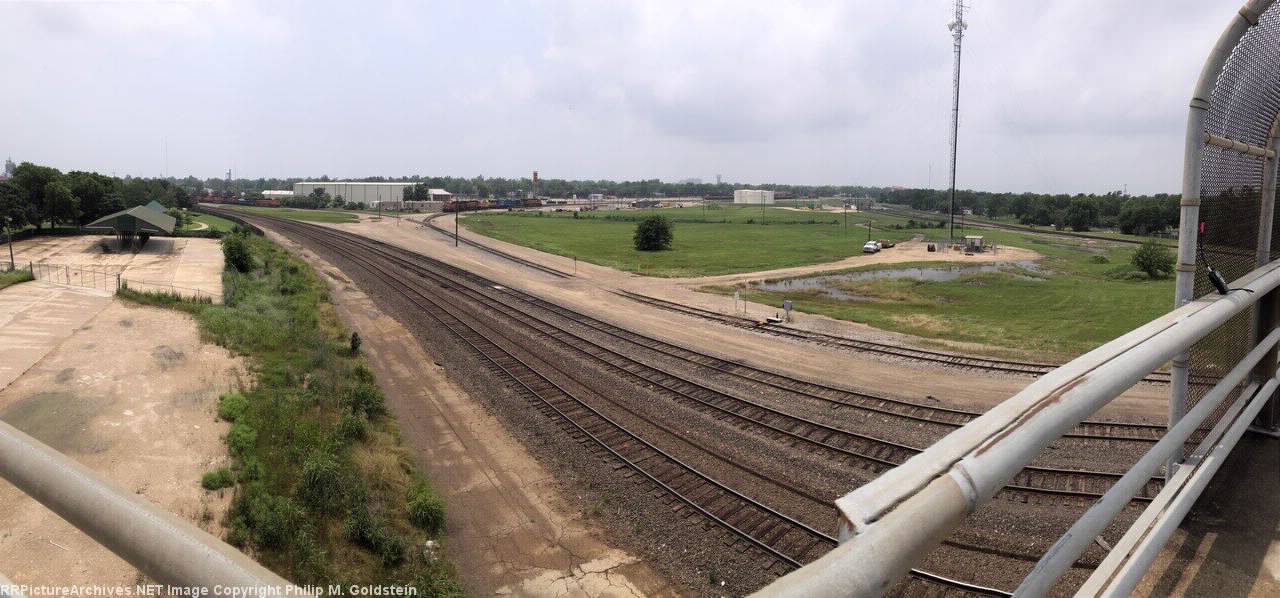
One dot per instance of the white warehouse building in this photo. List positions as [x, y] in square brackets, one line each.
[390, 194]
[752, 196]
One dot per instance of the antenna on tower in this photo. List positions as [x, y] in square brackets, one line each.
[957, 27]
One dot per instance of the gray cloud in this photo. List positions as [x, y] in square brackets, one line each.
[1058, 95]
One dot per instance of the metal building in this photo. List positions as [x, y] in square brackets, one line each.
[391, 195]
[752, 196]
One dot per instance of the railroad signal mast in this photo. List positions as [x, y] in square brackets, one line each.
[957, 27]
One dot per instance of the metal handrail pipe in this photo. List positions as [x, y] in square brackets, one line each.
[1133, 555]
[161, 545]
[1072, 544]
[1239, 147]
[895, 519]
[8, 589]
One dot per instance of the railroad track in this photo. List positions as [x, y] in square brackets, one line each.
[785, 539]
[830, 340]
[429, 222]
[1034, 484]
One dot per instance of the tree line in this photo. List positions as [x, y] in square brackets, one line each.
[42, 195]
[1131, 214]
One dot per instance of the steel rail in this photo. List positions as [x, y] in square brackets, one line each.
[435, 309]
[1098, 430]
[897, 517]
[940, 357]
[430, 223]
[974, 589]
[1027, 481]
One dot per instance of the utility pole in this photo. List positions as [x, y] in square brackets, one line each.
[9, 235]
[868, 229]
[957, 27]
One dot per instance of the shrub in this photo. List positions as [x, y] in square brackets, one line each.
[366, 398]
[217, 479]
[653, 234]
[231, 406]
[370, 533]
[1154, 259]
[273, 519]
[353, 428]
[235, 252]
[426, 508]
[322, 483]
[1099, 259]
[241, 438]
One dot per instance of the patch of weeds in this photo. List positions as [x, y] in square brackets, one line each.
[218, 479]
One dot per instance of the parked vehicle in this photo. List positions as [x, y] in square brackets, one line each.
[870, 247]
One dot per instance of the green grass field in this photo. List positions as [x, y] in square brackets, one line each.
[330, 216]
[214, 223]
[1074, 308]
[729, 240]
[1071, 310]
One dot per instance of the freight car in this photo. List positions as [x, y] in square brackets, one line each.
[465, 205]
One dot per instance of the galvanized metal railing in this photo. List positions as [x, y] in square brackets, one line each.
[163, 546]
[889, 524]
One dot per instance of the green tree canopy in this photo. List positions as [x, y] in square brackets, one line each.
[654, 233]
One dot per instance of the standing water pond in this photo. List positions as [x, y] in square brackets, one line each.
[837, 286]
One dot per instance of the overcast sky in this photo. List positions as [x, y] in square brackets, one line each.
[1057, 95]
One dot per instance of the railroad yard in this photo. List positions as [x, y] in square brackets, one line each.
[727, 456]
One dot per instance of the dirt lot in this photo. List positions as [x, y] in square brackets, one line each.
[510, 532]
[186, 265]
[144, 419]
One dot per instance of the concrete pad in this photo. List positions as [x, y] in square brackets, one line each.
[36, 317]
[132, 395]
[186, 265]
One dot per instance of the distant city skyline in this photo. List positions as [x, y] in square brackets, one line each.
[1058, 96]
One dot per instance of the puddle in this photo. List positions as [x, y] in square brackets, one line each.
[830, 283]
[60, 420]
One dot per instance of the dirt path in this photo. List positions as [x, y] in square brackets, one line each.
[144, 418]
[591, 292]
[509, 530]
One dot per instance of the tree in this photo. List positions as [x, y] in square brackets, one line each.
[654, 234]
[61, 206]
[90, 190]
[13, 206]
[33, 181]
[1082, 213]
[1154, 259]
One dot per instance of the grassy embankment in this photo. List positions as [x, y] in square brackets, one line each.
[1080, 304]
[216, 224]
[8, 279]
[323, 490]
[329, 216]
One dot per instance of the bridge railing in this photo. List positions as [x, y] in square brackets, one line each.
[1229, 334]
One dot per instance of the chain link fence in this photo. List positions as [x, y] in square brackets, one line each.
[1243, 107]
